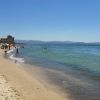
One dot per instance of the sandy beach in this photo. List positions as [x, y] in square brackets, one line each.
[17, 84]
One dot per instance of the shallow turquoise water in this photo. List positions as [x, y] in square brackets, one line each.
[85, 57]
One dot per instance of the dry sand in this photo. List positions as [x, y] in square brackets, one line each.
[7, 92]
[16, 84]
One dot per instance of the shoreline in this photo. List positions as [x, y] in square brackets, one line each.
[30, 87]
[41, 75]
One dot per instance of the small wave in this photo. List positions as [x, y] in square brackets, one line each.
[20, 60]
[10, 51]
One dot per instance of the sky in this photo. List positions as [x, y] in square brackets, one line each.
[51, 20]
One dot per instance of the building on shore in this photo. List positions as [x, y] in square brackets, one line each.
[9, 40]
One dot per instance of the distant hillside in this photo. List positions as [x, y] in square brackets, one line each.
[54, 42]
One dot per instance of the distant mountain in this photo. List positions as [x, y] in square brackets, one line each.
[55, 42]
[96, 42]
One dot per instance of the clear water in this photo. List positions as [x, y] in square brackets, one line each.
[76, 67]
[80, 56]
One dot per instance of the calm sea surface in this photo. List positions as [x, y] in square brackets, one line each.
[76, 68]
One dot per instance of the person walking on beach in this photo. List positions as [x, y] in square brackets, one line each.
[5, 47]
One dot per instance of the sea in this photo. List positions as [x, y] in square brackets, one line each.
[74, 67]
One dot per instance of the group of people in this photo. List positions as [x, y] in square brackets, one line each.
[7, 47]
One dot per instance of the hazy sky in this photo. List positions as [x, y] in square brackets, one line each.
[75, 20]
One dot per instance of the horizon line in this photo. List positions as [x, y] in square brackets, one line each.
[57, 41]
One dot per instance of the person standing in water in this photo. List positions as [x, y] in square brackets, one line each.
[17, 51]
